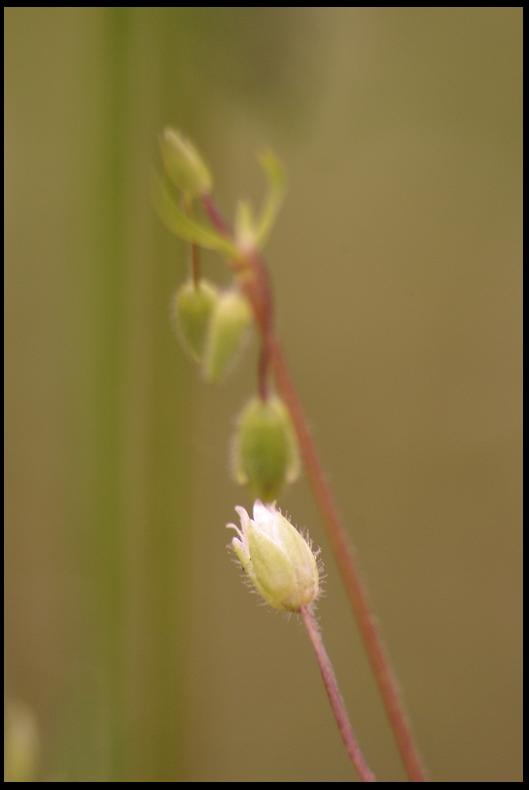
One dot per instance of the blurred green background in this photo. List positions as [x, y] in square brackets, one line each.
[397, 268]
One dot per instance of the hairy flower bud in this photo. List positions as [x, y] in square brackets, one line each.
[277, 559]
[192, 307]
[184, 165]
[265, 450]
[228, 327]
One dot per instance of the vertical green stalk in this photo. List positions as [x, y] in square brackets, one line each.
[109, 345]
[158, 423]
[167, 503]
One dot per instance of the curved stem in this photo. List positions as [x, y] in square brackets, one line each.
[335, 698]
[258, 291]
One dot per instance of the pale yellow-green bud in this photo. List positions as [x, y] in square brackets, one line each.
[228, 328]
[277, 559]
[21, 743]
[192, 307]
[184, 165]
[265, 450]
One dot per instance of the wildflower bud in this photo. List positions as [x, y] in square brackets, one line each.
[184, 165]
[21, 743]
[228, 327]
[265, 450]
[192, 307]
[277, 559]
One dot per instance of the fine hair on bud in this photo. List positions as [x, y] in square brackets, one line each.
[265, 452]
[277, 560]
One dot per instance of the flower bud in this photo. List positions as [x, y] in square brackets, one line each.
[277, 559]
[228, 327]
[265, 450]
[21, 743]
[184, 165]
[193, 305]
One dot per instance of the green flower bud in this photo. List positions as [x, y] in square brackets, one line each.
[193, 305]
[184, 165]
[265, 450]
[228, 327]
[277, 559]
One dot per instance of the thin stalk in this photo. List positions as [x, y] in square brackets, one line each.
[196, 269]
[335, 698]
[258, 290]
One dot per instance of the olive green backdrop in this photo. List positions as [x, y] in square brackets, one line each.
[397, 268]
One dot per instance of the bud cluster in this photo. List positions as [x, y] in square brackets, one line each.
[278, 560]
[212, 325]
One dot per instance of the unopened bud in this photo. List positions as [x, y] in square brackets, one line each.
[228, 327]
[21, 743]
[184, 165]
[192, 308]
[277, 559]
[265, 451]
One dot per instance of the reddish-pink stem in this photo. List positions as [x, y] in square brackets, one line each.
[350, 573]
[215, 217]
[258, 291]
[335, 698]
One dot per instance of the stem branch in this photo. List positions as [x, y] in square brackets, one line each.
[255, 283]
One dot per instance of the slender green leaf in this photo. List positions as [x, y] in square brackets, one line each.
[183, 226]
[274, 200]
